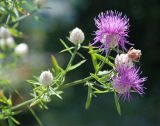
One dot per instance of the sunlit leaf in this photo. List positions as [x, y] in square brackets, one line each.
[15, 121]
[94, 59]
[89, 98]
[56, 67]
[76, 65]
[55, 93]
[66, 50]
[66, 46]
[102, 58]
[117, 103]
[10, 122]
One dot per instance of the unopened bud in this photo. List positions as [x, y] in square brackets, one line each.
[76, 36]
[3, 43]
[46, 77]
[134, 54]
[21, 49]
[7, 43]
[123, 59]
[10, 42]
[4, 33]
[40, 3]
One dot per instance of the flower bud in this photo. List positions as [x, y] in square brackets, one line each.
[123, 59]
[134, 54]
[46, 77]
[7, 43]
[3, 43]
[76, 36]
[21, 49]
[4, 33]
[40, 3]
[10, 42]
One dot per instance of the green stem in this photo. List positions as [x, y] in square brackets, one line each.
[61, 87]
[72, 58]
[36, 117]
[23, 17]
[30, 109]
[22, 104]
[75, 83]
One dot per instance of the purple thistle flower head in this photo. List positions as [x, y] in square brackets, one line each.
[128, 79]
[112, 30]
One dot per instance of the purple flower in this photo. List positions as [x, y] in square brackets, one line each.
[128, 79]
[112, 30]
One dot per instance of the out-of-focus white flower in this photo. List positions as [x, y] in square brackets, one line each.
[7, 42]
[40, 2]
[10, 42]
[21, 49]
[4, 32]
[3, 43]
[123, 59]
[76, 36]
[46, 77]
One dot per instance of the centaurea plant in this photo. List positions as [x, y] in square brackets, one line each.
[121, 77]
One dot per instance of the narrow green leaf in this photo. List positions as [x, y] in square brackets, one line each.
[16, 33]
[89, 98]
[65, 45]
[54, 93]
[66, 50]
[97, 78]
[117, 103]
[94, 59]
[33, 82]
[34, 103]
[15, 121]
[101, 92]
[76, 65]
[102, 58]
[80, 55]
[57, 68]
[10, 122]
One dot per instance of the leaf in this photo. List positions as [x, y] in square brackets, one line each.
[65, 50]
[34, 102]
[102, 58]
[117, 103]
[57, 68]
[2, 97]
[94, 59]
[2, 55]
[101, 92]
[10, 122]
[97, 79]
[15, 121]
[80, 55]
[89, 97]
[33, 82]
[65, 45]
[76, 65]
[16, 33]
[54, 93]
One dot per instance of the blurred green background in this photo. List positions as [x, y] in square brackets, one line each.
[56, 19]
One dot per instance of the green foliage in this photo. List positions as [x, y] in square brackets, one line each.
[98, 82]
[117, 103]
[76, 65]
[89, 96]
